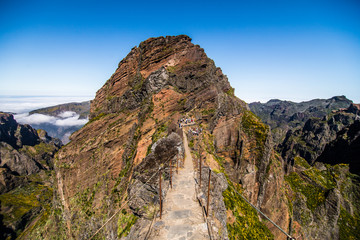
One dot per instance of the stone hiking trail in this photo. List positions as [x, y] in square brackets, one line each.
[182, 217]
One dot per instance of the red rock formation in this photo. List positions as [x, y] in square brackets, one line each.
[156, 83]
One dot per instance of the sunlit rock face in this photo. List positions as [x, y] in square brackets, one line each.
[133, 130]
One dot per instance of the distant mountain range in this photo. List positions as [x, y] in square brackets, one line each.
[320, 130]
[282, 116]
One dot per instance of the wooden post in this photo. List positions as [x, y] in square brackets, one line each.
[208, 198]
[160, 193]
[199, 151]
[200, 169]
[170, 174]
[177, 164]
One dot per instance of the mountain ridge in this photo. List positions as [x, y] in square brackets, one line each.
[158, 82]
[134, 131]
[285, 115]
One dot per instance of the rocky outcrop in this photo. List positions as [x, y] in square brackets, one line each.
[321, 192]
[16, 135]
[322, 196]
[8, 180]
[310, 141]
[354, 108]
[26, 161]
[217, 211]
[22, 150]
[188, 71]
[345, 148]
[18, 163]
[144, 191]
[318, 194]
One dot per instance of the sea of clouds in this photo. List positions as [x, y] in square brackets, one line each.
[60, 126]
[65, 119]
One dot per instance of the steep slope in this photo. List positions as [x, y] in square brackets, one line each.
[324, 197]
[310, 141]
[26, 161]
[122, 146]
[286, 115]
[344, 149]
[107, 177]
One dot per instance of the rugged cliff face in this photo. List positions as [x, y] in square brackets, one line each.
[344, 149]
[26, 161]
[158, 82]
[104, 186]
[325, 197]
[310, 141]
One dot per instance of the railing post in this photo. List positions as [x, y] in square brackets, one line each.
[208, 198]
[177, 164]
[170, 174]
[160, 193]
[200, 169]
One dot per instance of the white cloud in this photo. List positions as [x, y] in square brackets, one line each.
[71, 121]
[25, 118]
[66, 120]
[67, 114]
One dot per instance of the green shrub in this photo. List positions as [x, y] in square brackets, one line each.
[101, 115]
[231, 92]
[247, 224]
[125, 222]
[159, 133]
[315, 195]
[349, 226]
[191, 143]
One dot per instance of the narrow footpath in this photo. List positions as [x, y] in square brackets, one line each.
[182, 217]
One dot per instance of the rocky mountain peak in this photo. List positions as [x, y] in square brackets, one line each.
[172, 61]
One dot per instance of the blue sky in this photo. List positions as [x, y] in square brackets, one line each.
[291, 50]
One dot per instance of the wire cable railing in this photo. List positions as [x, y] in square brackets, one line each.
[205, 209]
[123, 205]
[253, 206]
